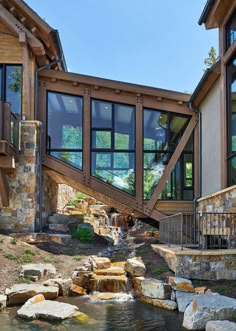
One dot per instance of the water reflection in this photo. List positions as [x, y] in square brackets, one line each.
[126, 316]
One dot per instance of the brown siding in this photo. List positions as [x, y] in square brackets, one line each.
[10, 49]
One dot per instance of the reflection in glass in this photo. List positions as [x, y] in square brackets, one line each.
[66, 137]
[162, 132]
[14, 87]
[231, 30]
[113, 141]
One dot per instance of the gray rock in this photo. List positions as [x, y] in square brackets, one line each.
[20, 293]
[39, 270]
[181, 284]
[207, 307]
[135, 267]
[63, 284]
[184, 299]
[155, 289]
[3, 301]
[220, 326]
[48, 310]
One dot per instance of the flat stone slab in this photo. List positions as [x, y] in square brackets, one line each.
[20, 293]
[108, 296]
[208, 307]
[166, 304]
[99, 262]
[46, 309]
[39, 270]
[220, 326]
[63, 284]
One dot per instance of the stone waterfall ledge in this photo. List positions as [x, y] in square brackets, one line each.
[195, 264]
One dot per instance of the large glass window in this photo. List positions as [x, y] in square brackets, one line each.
[231, 31]
[65, 128]
[113, 141]
[11, 86]
[162, 133]
[231, 123]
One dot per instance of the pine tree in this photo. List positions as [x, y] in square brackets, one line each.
[211, 59]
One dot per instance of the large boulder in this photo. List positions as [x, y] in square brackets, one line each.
[63, 284]
[135, 267]
[39, 308]
[208, 307]
[220, 326]
[183, 299]
[181, 284]
[155, 289]
[20, 293]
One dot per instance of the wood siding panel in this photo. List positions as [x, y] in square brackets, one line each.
[10, 49]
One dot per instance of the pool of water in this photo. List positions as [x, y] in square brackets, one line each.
[113, 316]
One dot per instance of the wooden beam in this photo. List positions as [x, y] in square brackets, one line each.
[171, 164]
[7, 162]
[139, 152]
[15, 25]
[4, 192]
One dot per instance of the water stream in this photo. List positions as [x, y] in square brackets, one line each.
[112, 316]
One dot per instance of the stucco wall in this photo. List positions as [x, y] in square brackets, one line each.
[211, 151]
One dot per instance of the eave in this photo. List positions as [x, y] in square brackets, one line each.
[205, 84]
[214, 13]
[50, 49]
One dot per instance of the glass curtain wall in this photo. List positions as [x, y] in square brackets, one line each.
[113, 144]
[231, 122]
[11, 86]
[162, 133]
[65, 128]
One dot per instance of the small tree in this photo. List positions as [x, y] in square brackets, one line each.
[211, 59]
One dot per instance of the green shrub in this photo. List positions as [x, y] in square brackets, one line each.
[23, 280]
[84, 233]
[1, 239]
[11, 257]
[14, 240]
[29, 251]
[26, 258]
[47, 259]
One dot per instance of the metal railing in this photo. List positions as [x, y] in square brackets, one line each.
[200, 230]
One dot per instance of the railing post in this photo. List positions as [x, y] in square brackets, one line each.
[181, 230]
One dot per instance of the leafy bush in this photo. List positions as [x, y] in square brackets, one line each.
[14, 240]
[29, 251]
[26, 258]
[23, 280]
[11, 257]
[84, 233]
[1, 239]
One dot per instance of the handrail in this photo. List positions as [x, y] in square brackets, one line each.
[9, 125]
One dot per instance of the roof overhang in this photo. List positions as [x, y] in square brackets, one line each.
[43, 40]
[207, 81]
[214, 13]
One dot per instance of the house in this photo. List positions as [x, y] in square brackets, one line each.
[138, 148]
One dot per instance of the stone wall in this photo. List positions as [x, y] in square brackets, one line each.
[220, 202]
[55, 197]
[195, 264]
[22, 212]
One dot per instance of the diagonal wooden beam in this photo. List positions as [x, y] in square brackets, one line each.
[171, 164]
[4, 191]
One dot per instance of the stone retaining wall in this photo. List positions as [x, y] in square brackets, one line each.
[195, 264]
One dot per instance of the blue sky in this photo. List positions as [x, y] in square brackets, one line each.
[149, 42]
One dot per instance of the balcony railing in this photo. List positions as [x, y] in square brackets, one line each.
[200, 230]
[9, 129]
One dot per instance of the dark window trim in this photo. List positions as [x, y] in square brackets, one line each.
[228, 42]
